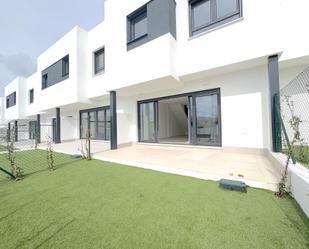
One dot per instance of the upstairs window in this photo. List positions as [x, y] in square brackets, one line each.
[207, 14]
[31, 96]
[99, 61]
[11, 100]
[44, 81]
[137, 24]
[65, 66]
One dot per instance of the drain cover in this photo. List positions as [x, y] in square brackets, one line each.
[233, 185]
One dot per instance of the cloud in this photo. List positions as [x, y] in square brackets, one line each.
[19, 64]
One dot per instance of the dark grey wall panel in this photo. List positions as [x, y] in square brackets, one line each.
[54, 74]
[161, 18]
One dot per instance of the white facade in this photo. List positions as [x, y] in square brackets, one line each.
[232, 57]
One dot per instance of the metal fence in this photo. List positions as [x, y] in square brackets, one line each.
[29, 148]
[296, 94]
[294, 101]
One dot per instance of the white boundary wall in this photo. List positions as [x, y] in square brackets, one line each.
[298, 179]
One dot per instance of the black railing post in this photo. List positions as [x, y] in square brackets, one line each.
[16, 130]
[9, 133]
[38, 129]
[113, 113]
[58, 126]
[274, 88]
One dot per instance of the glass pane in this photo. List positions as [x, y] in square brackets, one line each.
[201, 13]
[101, 115]
[108, 125]
[225, 7]
[147, 122]
[101, 125]
[99, 61]
[84, 124]
[207, 117]
[92, 127]
[139, 26]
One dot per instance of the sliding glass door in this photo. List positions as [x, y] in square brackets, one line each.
[201, 118]
[148, 122]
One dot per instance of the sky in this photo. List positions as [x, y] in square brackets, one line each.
[29, 27]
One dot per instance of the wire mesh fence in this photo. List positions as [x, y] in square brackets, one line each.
[26, 149]
[294, 102]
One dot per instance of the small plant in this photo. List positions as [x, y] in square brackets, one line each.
[87, 145]
[50, 154]
[294, 123]
[81, 149]
[16, 171]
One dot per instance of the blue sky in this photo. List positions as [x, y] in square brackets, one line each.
[28, 27]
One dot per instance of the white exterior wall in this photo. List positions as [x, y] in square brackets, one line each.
[33, 82]
[232, 58]
[68, 91]
[2, 108]
[97, 85]
[19, 85]
[244, 107]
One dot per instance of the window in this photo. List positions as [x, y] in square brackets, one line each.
[31, 96]
[11, 100]
[137, 24]
[207, 14]
[65, 66]
[99, 61]
[44, 81]
[96, 123]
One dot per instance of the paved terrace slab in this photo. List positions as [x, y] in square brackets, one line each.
[255, 169]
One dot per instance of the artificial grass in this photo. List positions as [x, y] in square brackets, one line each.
[95, 204]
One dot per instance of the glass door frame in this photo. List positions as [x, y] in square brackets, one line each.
[194, 117]
[105, 109]
[191, 129]
[156, 121]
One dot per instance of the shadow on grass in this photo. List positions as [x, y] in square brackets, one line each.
[53, 234]
[58, 166]
[14, 211]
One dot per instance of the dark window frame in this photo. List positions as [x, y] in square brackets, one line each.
[96, 110]
[96, 53]
[11, 100]
[44, 81]
[31, 96]
[192, 94]
[134, 18]
[215, 21]
[65, 66]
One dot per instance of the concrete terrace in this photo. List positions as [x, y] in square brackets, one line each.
[253, 168]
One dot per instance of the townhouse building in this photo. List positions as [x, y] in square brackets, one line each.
[194, 73]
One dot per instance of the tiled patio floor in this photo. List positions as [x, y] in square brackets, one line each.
[253, 168]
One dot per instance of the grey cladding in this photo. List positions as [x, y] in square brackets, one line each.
[156, 18]
[56, 73]
[11, 100]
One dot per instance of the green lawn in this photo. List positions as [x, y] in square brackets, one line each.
[94, 204]
[302, 154]
[3, 148]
